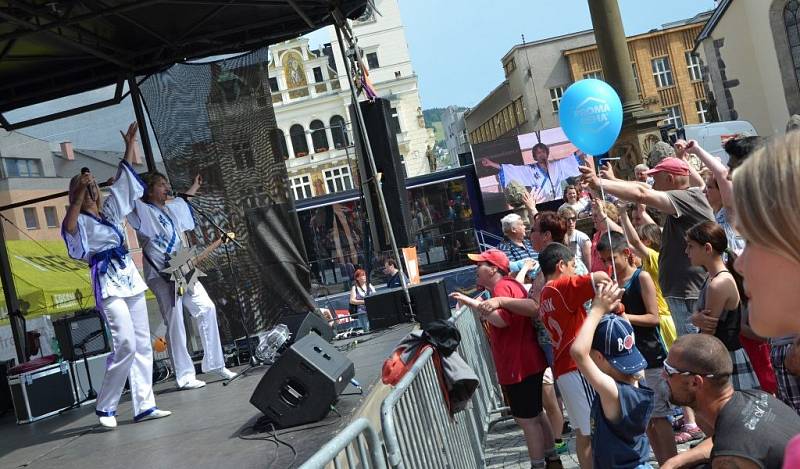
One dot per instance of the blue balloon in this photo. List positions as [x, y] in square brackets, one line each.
[591, 115]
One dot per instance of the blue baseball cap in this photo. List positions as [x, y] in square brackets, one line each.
[614, 338]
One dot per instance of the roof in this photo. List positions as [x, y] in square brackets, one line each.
[546, 41]
[55, 48]
[716, 16]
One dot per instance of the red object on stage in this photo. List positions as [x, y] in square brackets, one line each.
[32, 365]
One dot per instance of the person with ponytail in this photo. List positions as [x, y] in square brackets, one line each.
[719, 307]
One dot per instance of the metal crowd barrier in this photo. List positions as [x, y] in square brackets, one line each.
[357, 444]
[417, 428]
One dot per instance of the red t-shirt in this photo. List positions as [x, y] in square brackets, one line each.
[515, 349]
[562, 313]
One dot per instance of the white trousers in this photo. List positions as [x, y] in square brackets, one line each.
[204, 313]
[132, 358]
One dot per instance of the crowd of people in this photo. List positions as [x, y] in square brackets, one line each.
[669, 324]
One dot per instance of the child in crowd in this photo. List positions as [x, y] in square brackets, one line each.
[606, 354]
[562, 312]
[646, 242]
[719, 309]
[641, 310]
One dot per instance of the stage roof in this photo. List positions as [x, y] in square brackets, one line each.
[55, 48]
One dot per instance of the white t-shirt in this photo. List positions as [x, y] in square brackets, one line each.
[575, 241]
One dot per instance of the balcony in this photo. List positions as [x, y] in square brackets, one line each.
[328, 156]
[309, 91]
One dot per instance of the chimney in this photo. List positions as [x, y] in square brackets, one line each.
[137, 154]
[66, 150]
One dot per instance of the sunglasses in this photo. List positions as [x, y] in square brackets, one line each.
[672, 371]
[570, 218]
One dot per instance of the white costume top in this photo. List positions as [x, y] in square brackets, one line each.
[160, 231]
[550, 184]
[101, 241]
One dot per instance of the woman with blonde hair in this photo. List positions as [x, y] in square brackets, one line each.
[606, 218]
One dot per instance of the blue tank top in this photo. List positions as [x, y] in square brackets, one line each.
[623, 445]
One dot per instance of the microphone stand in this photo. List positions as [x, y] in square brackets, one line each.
[91, 394]
[254, 363]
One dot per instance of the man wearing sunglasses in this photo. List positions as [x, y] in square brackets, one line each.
[746, 429]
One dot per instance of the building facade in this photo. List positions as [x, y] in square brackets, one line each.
[668, 75]
[455, 132]
[751, 50]
[311, 98]
[667, 71]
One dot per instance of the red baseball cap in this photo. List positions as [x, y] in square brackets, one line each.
[671, 165]
[493, 256]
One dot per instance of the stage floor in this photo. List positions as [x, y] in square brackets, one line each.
[209, 427]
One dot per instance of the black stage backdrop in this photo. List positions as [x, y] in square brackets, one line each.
[217, 119]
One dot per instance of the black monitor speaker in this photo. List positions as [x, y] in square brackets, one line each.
[303, 384]
[83, 331]
[300, 325]
[389, 307]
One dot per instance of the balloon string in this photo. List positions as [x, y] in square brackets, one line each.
[608, 233]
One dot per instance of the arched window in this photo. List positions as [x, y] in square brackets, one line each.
[281, 148]
[318, 137]
[298, 135]
[791, 20]
[338, 132]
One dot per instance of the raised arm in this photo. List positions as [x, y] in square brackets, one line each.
[492, 318]
[74, 210]
[630, 191]
[607, 299]
[520, 306]
[198, 181]
[630, 232]
[720, 172]
[130, 141]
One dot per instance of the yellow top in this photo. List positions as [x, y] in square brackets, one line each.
[667, 326]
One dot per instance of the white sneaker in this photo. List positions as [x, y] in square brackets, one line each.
[108, 421]
[155, 414]
[193, 384]
[224, 373]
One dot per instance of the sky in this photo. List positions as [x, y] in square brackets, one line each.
[455, 47]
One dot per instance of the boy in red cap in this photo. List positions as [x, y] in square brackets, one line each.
[519, 360]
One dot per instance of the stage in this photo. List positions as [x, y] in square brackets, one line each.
[210, 427]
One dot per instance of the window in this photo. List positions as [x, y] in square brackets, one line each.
[51, 217]
[519, 110]
[372, 60]
[693, 64]
[702, 110]
[301, 186]
[339, 132]
[674, 116]
[243, 156]
[318, 75]
[283, 151]
[24, 168]
[396, 121]
[273, 85]
[397, 74]
[597, 75]
[318, 137]
[555, 97]
[510, 66]
[299, 143]
[31, 218]
[338, 179]
[662, 72]
[636, 78]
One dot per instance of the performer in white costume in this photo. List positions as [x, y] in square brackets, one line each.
[161, 222]
[95, 235]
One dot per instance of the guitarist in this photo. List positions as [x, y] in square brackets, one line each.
[160, 221]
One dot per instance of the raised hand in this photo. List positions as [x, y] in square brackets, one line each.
[130, 135]
[589, 176]
[607, 172]
[607, 298]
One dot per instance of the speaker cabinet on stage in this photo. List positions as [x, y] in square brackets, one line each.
[84, 328]
[300, 325]
[303, 384]
[382, 132]
[388, 307]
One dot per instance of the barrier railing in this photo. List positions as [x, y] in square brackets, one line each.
[357, 445]
[487, 240]
[417, 428]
